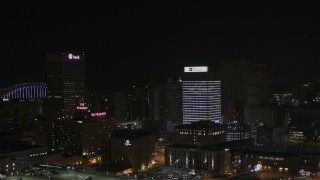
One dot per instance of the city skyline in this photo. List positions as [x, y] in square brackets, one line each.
[159, 90]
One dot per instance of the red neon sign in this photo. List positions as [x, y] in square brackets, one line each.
[99, 115]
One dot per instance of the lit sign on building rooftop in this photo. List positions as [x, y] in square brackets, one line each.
[196, 69]
[82, 108]
[99, 115]
[71, 56]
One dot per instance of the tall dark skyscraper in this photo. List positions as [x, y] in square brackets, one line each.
[257, 109]
[166, 104]
[66, 82]
[235, 79]
[258, 89]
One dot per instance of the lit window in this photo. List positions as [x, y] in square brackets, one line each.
[286, 170]
[280, 169]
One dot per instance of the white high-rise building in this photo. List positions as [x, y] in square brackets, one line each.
[201, 95]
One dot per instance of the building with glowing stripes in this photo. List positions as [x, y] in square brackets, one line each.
[201, 95]
[197, 160]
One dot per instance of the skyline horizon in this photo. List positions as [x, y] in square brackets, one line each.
[143, 37]
[161, 78]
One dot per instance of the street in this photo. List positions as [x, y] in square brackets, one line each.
[64, 175]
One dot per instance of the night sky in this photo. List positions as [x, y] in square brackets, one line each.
[123, 39]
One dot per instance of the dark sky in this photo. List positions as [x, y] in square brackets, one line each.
[122, 39]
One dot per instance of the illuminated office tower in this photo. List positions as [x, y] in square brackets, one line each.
[65, 78]
[201, 95]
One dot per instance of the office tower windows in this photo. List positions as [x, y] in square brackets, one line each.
[65, 76]
[201, 96]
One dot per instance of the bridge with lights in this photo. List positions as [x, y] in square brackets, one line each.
[25, 91]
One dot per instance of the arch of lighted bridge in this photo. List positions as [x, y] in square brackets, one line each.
[25, 91]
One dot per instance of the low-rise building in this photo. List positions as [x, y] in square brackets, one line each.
[86, 135]
[284, 163]
[212, 161]
[200, 133]
[16, 157]
[238, 131]
[132, 148]
[270, 138]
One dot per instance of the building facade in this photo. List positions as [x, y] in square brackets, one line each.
[234, 90]
[303, 132]
[193, 158]
[275, 164]
[132, 148]
[201, 95]
[165, 105]
[265, 114]
[239, 131]
[83, 136]
[270, 138]
[201, 133]
[15, 159]
[66, 82]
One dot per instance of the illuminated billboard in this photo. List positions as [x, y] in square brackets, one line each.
[99, 115]
[196, 69]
